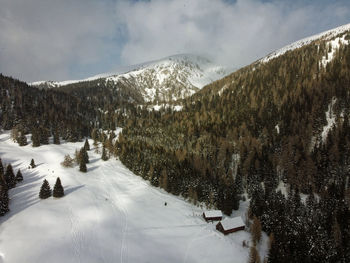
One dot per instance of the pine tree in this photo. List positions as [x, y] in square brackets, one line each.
[94, 136]
[1, 168]
[35, 138]
[44, 135]
[14, 134]
[4, 201]
[77, 157]
[3, 181]
[45, 190]
[87, 145]
[254, 255]
[56, 137]
[10, 177]
[58, 189]
[82, 167]
[32, 163]
[2, 178]
[104, 156]
[164, 180]
[19, 176]
[22, 139]
[256, 230]
[84, 155]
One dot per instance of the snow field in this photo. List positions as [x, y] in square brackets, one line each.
[106, 215]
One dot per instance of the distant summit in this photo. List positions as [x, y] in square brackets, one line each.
[168, 79]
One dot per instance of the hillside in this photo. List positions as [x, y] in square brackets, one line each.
[276, 131]
[27, 109]
[169, 79]
[274, 136]
[106, 215]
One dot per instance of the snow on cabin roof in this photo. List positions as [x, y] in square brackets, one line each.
[230, 223]
[213, 213]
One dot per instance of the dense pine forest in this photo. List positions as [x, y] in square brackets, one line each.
[275, 132]
[43, 113]
[260, 128]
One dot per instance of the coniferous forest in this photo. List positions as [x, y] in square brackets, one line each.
[276, 133]
[251, 132]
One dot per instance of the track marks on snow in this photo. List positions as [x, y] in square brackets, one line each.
[77, 236]
[114, 194]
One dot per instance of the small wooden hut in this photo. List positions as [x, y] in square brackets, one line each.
[230, 225]
[213, 215]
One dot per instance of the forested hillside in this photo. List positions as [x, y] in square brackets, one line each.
[43, 113]
[277, 130]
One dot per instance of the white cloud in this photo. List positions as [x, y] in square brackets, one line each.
[234, 33]
[57, 40]
[44, 39]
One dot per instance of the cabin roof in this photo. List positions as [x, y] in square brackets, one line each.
[212, 213]
[231, 223]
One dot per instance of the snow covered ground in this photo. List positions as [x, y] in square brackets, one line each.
[107, 215]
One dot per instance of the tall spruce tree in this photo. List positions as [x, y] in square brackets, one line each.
[22, 139]
[84, 155]
[86, 145]
[45, 190]
[82, 166]
[58, 189]
[1, 168]
[2, 175]
[4, 201]
[256, 231]
[44, 135]
[104, 156]
[56, 137]
[10, 177]
[32, 163]
[254, 255]
[19, 176]
[35, 138]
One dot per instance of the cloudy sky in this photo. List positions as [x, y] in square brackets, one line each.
[73, 39]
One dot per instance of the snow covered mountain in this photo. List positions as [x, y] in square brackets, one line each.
[167, 79]
[326, 35]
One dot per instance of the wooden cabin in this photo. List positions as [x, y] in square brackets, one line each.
[230, 225]
[213, 215]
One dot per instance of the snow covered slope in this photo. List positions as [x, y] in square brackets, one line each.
[168, 79]
[327, 35]
[107, 215]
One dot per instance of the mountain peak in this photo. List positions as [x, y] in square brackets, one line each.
[167, 79]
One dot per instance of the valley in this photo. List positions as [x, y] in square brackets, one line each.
[107, 214]
[143, 150]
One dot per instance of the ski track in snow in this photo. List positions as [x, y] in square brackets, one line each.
[119, 205]
[194, 239]
[114, 208]
[77, 237]
[95, 234]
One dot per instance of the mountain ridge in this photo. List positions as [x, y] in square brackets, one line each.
[328, 34]
[167, 79]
